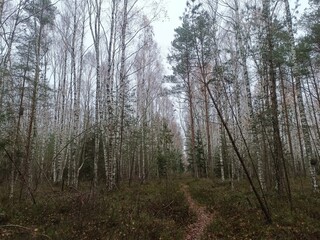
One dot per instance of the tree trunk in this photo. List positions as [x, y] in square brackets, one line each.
[192, 128]
[1, 10]
[76, 110]
[109, 138]
[17, 133]
[59, 161]
[287, 123]
[95, 28]
[222, 150]
[262, 201]
[32, 123]
[123, 86]
[303, 118]
[253, 128]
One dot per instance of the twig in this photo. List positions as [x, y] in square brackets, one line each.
[21, 175]
[25, 228]
[164, 207]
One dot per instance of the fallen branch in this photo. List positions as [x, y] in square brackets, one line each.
[25, 228]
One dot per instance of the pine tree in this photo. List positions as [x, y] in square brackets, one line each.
[41, 13]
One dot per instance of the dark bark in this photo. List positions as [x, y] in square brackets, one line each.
[263, 204]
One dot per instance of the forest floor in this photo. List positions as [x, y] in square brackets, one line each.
[180, 208]
[196, 229]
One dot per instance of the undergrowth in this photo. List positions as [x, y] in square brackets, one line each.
[237, 215]
[158, 210]
[150, 211]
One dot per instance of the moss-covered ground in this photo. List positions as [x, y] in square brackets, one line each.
[158, 210]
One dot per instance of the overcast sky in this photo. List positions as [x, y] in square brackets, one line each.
[164, 29]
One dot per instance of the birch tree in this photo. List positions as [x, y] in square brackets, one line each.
[301, 105]
[95, 27]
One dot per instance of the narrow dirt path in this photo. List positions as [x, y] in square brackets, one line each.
[195, 230]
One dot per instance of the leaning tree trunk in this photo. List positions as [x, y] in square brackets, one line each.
[261, 200]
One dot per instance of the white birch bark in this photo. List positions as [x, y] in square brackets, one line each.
[76, 52]
[123, 82]
[302, 111]
[109, 136]
[221, 160]
[61, 138]
[79, 80]
[95, 27]
[75, 106]
[253, 130]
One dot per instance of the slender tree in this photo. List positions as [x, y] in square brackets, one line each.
[301, 105]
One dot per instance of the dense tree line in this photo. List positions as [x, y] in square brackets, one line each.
[82, 96]
[247, 74]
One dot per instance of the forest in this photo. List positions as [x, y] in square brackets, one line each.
[98, 140]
